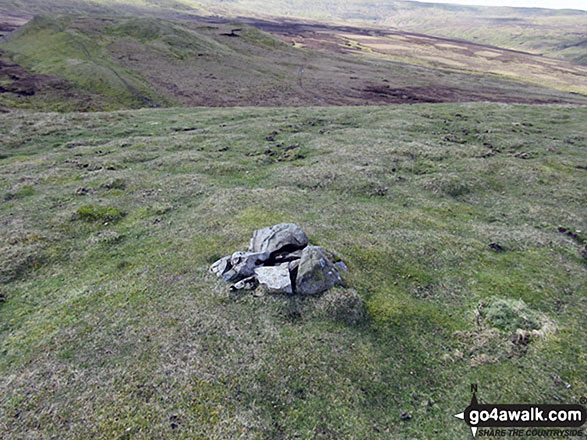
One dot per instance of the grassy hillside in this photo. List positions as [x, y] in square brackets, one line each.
[448, 54]
[165, 8]
[555, 33]
[50, 46]
[106, 63]
[463, 227]
[559, 35]
[551, 32]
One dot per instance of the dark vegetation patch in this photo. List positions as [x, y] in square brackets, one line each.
[496, 247]
[569, 233]
[18, 86]
[17, 264]
[114, 184]
[24, 191]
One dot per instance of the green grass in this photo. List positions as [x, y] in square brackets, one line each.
[112, 327]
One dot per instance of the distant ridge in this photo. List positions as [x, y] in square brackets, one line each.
[552, 32]
[106, 63]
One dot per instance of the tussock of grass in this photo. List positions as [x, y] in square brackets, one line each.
[94, 213]
[507, 314]
[344, 305]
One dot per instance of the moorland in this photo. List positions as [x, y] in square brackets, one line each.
[141, 141]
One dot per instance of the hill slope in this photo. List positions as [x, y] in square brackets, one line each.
[113, 63]
[459, 224]
[555, 33]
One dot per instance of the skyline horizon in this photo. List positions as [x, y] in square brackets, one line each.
[579, 5]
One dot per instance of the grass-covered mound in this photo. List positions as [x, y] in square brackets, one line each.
[111, 326]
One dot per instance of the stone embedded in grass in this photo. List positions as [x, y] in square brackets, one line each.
[282, 261]
[288, 236]
[316, 273]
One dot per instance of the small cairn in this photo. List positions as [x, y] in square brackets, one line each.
[280, 259]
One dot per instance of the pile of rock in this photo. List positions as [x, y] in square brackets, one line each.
[280, 259]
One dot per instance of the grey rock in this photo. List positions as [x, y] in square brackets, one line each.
[315, 272]
[249, 283]
[230, 276]
[275, 279]
[244, 263]
[277, 237]
[221, 266]
[341, 266]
